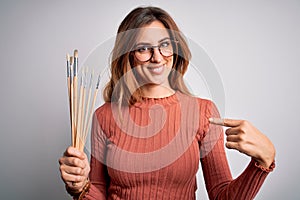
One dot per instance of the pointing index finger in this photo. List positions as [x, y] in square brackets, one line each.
[225, 122]
[217, 121]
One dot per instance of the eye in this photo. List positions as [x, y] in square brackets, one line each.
[143, 49]
[165, 44]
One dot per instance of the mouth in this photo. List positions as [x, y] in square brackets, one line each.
[157, 69]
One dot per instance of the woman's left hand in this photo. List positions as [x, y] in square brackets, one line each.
[247, 139]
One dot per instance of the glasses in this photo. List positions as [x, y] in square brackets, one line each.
[144, 53]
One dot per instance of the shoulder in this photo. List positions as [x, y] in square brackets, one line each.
[103, 111]
[206, 107]
[103, 108]
[102, 118]
[203, 104]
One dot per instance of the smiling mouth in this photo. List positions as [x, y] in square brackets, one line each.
[157, 69]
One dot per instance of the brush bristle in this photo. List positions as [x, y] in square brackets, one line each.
[68, 57]
[76, 53]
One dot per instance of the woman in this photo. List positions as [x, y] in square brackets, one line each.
[148, 138]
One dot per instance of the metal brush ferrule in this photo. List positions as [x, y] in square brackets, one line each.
[68, 69]
[75, 66]
[98, 82]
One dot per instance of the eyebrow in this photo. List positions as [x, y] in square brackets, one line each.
[145, 43]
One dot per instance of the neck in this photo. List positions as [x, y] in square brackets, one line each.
[157, 91]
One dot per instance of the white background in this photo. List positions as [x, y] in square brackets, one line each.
[255, 46]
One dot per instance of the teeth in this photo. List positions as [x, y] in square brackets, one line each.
[157, 69]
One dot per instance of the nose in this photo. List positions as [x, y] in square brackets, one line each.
[157, 57]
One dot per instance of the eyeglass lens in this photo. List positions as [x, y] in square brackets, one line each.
[145, 52]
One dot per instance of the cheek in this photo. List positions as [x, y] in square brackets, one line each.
[136, 67]
[169, 62]
[138, 71]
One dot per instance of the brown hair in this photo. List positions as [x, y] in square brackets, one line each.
[122, 90]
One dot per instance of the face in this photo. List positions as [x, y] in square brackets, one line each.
[153, 55]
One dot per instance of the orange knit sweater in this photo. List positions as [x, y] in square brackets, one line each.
[153, 148]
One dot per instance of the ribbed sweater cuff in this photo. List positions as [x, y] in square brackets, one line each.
[270, 169]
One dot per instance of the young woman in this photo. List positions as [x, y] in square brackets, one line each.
[149, 136]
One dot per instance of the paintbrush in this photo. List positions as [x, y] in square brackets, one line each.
[91, 110]
[72, 101]
[69, 82]
[87, 107]
[79, 117]
[75, 72]
[83, 108]
[69, 79]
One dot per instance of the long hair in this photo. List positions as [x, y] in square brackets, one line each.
[123, 90]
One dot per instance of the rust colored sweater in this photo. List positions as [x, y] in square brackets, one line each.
[153, 151]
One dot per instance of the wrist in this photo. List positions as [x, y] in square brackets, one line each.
[264, 168]
[265, 163]
[266, 159]
[79, 193]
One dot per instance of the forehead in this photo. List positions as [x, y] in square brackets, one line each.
[152, 33]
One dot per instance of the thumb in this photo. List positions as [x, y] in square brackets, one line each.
[71, 151]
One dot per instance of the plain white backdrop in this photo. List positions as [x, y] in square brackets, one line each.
[255, 46]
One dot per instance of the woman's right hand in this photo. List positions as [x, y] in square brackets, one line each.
[74, 169]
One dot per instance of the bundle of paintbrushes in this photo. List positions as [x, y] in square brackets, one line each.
[80, 99]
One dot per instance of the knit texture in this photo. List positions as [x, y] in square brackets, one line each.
[151, 150]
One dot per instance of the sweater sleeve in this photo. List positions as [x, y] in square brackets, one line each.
[98, 175]
[218, 180]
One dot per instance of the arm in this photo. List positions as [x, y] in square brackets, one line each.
[218, 179]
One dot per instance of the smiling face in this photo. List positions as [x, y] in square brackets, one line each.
[153, 56]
